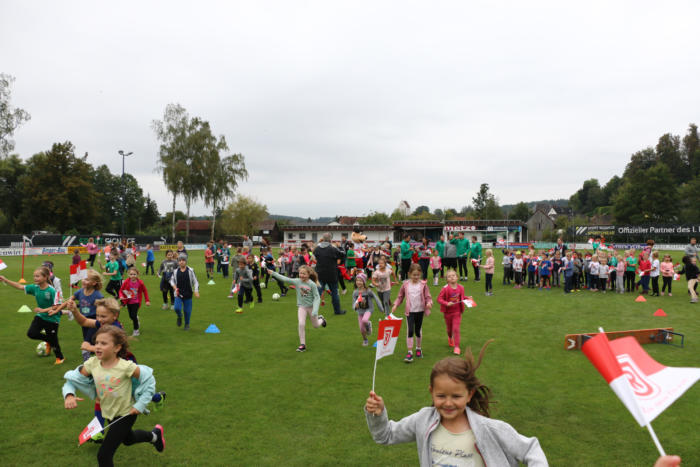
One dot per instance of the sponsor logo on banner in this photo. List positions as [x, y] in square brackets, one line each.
[387, 336]
[59, 250]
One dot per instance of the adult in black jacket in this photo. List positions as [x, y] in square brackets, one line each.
[327, 257]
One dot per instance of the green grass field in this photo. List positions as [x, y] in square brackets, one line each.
[245, 397]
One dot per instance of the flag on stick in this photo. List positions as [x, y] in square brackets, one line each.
[90, 430]
[469, 302]
[78, 272]
[2, 265]
[387, 335]
[643, 385]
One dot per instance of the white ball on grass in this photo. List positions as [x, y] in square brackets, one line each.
[275, 296]
[42, 349]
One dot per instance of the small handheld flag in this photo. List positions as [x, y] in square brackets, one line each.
[643, 385]
[90, 430]
[469, 302]
[2, 265]
[78, 272]
[387, 335]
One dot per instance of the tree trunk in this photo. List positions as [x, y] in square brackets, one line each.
[173, 232]
[213, 221]
[188, 201]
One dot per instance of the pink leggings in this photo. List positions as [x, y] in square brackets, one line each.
[453, 321]
[363, 322]
[303, 312]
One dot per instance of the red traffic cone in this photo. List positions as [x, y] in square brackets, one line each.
[660, 312]
[640, 299]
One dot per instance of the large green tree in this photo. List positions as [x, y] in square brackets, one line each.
[12, 169]
[588, 198]
[223, 178]
[485, 204]
[668, 151]
[636, 203]
[691, 150]
[57, 191]
[242, 215]
[520, 212]
[10, 117]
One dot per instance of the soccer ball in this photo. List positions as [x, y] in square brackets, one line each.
[275, 296]
[262, 285]
[42, 349]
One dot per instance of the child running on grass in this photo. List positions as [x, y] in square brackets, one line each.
[43, 321]
[242, 284]
[436, 266]
[451, 300]
[165, 272]
[667, 272]
[382, 281]
[124, 390]
[253, 266]
[185, 285]
[363, 300]
[456, 429]
[308, 300]
[130, 294]
[418, 304]
[107, 313]
[114, 274]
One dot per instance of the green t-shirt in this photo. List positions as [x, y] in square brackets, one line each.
[476, 250]
[111, 267]
[631, 264]
[44, 299]
[350, 259]
[440, 246]
[462, 246]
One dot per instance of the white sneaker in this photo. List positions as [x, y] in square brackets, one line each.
[136, 333]
[345, 291]
[164, 307]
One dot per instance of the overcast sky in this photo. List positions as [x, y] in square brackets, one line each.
[342, 108]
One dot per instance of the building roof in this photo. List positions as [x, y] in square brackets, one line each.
[347, 220]
[335, 228]
[267, 224]
[194, 225]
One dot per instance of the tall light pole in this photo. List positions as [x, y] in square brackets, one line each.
[124, 156]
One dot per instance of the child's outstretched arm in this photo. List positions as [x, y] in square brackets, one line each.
[79, 317]
[14, 284]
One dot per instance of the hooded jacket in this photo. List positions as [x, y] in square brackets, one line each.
[497, 442]
[327, 257]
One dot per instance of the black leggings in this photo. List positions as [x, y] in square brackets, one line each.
[92, 260]
[415, 323]
[667, 282]
[113, 288]
[134, 314]
[462, 265]
[655, 285]
[167, 291]
[119, 433]
[405, 265]
[629, 281]
[248, 295]
[51, 336]
[424, 265]
[256, 284]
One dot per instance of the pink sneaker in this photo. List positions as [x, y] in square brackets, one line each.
[456, 351]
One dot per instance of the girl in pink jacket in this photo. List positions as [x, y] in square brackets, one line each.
[451, 300]
[130, 294]
[418, 304]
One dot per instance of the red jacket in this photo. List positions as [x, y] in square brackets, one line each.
[443, 299]
[132, 294]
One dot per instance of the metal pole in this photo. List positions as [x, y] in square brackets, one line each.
[124, 155]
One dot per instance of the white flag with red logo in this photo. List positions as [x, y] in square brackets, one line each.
[645, 386]
[90, 430]
[78, 272]
[388, 335]
[2, 265]
[469, 302]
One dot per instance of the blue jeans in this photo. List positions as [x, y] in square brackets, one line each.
[333, 287]
[185, 304]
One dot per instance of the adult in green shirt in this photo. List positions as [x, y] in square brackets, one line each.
[475, 253]
[440, 247]
[406, 254]
[462, 245]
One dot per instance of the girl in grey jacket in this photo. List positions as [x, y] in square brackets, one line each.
[457, 428]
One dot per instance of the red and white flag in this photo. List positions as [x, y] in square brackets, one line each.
[469, 302]
[90, 430]
[387, 336]
[2, 265]
[643, 385]
[78, 272]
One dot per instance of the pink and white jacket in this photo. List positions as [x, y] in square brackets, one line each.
[425, 294]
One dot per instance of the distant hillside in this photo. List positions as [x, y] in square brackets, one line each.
[301, 220]
[532, 204]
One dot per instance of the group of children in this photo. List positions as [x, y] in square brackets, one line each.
[599, 271]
